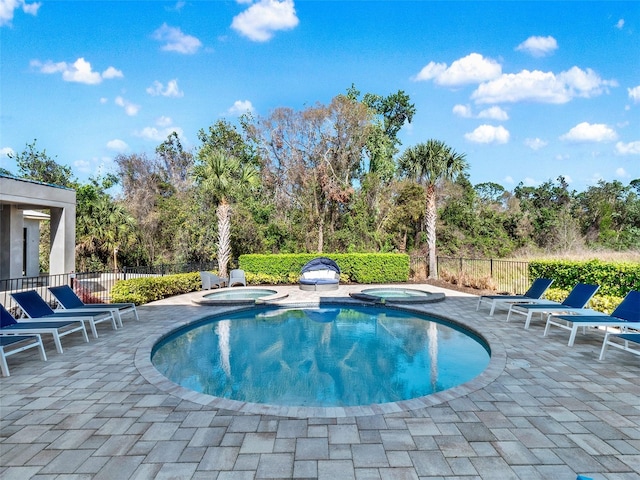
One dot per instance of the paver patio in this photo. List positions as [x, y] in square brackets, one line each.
[542, 410]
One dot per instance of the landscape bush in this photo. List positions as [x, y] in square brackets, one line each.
[148, 289]
[615, 278]
[354, 267]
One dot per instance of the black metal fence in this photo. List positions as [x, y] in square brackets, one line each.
[95, 286]
[501, 275]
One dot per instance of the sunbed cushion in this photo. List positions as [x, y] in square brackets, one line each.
[6, 318]
[318, 281]
[629, 308]
[67, 297]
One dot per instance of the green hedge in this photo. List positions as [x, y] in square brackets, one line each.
[268, 269]
[615, 278]
[148, 289]
[354, 267]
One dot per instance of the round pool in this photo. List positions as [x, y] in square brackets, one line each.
[239, 296]
[397, 295]
[320, 357]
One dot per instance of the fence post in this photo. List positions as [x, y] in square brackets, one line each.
[491, 267]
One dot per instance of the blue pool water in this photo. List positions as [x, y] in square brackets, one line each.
[240, 294]
[395, 293]
[338, 356]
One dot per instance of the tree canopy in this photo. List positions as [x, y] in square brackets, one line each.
[326, 178]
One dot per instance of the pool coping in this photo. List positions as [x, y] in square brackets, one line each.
[497, 364]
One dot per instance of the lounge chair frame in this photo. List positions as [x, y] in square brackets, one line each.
[628, 339]
[625, 316]
[68, 301]
[35, 308]
[57, 329]
[21, 343]
[577, 299]
[532, 295]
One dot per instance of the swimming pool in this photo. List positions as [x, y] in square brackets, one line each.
[325, 357]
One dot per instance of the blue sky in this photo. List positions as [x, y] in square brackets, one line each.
[527, 90]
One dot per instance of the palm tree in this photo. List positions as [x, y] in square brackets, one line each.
[104, 227]
[427, 164]
[221, 177]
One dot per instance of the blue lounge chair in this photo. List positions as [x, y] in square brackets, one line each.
[34, 306]
[237, 277]
[625, 316]
[535, 292]
[58, 329]
[578, 298]
[19, 343]
[68, 300]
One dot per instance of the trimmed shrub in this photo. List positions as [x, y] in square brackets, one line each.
[149, 289]
[615, 278]
[354, 267]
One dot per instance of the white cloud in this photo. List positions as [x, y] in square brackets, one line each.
[631, 148]
[590, 132]
[620, 24]
[176, 41]
[8, 8]
[543, 87]
[494, 113]
[262, 19]
[6, 151]
[508, 179]
[103, 100]
[160, 134]
[488, 134]
[112, 72]
[463, 111]
[538, 46]
[240, 107]
[530, 182]
[474, 68]
[171, 90]
[621, 172]
[83, 166]
[634, 94]
[164, 121]
[79, 71]
[130, 109]
[535, 143]
[117, 145]
[567, 178]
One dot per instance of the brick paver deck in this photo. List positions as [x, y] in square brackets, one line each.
[542, 410]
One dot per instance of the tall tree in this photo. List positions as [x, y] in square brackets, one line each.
[311, 160]
[37, 165]
[222, 177]
[428, 164]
